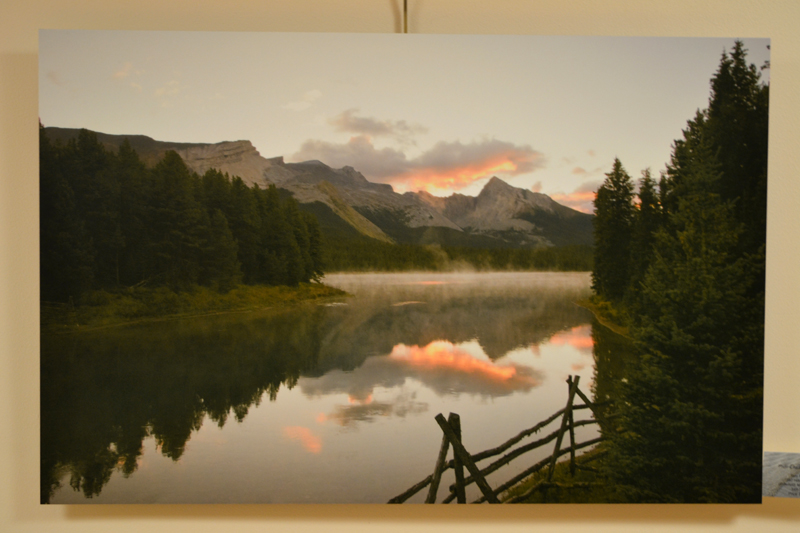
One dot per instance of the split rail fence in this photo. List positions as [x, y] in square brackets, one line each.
[451, 437]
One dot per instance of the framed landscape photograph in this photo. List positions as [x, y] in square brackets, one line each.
[376, 268]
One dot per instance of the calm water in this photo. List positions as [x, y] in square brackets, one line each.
[330, 402]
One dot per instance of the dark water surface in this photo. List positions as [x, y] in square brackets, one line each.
[331, 402]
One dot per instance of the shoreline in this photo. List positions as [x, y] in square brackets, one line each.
[142, 306]
[616, 328]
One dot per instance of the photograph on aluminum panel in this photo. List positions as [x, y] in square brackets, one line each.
[342, 268]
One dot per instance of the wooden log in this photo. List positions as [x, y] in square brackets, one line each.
[400, 498]
[438, 468]
[465, 458]
[591, 405]
[564, 420]
[500, 449]
[455, 423]
[504, 460]
[571, 436]
[535, 468]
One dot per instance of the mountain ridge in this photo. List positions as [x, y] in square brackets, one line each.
[501, 214]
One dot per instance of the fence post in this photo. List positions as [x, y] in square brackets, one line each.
[461, 494]
[437, 469]
[571, 434]
[564, 420]
[462, 454]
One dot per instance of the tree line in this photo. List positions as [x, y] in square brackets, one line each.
[363, 255]
[684, 260]
[109, 222]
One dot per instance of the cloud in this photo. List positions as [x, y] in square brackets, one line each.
[443, 367]
[579, 337]
[348, 122]
[537, 187]
[447, 165]
[347, 415]
[582, 198]
[591, 153]
[579, 170]
[125, 71]
[308, 440]
[305, 102]
[170, 89]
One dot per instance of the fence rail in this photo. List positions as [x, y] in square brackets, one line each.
[451, 438]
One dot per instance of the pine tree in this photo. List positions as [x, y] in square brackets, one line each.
[614, 212]
[176, 222]
[691, 411]
[66, 253]
[646, 222]
[221, 268]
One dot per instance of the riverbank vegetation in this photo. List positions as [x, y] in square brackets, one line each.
[682, 263]
[109, 223]
[103, 308]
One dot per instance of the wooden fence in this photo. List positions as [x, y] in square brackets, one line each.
[451, 437]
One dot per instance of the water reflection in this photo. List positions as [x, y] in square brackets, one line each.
[393, 352]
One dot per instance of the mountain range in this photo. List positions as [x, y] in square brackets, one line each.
[346, 203]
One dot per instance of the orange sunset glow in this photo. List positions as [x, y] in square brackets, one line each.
[444, 355]
[579, 337]
[454, 178]
[308, 440]
[580, 201]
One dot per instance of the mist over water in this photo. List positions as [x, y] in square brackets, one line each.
[325, 402]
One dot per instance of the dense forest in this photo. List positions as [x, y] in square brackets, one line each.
[683, 263]
[108, 221]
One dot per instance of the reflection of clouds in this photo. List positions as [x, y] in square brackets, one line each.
[310, 442]
[579, 337]
[443, 367]
[346, 415]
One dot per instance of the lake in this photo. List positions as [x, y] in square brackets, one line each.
[325, 402]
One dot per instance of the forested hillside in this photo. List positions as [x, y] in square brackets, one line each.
[684, 263]
[107, 221]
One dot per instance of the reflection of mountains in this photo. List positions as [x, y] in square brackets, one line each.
[104, 392]
[499, 323]
[441, 366]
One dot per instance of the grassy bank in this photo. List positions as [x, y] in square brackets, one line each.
[102, 308]
[586, 486]
[611, 317]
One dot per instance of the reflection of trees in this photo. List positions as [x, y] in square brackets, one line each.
[501, 320]
[612, 355]
[103, 393]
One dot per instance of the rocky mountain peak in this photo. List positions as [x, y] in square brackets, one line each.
[497, 188]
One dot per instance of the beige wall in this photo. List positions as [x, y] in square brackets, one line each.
[19, 374]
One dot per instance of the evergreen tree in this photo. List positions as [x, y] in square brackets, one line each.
[737, 129]
[614, 212]
[176, 222]
[245, 224]
[315, 246]
[646, 222]
[133, 186]
[221, 269]
[691, 412]
[66, 254]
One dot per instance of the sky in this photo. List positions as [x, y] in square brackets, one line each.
[442, 113]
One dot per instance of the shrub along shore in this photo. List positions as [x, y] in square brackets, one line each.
[97, 309]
